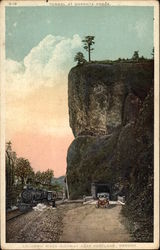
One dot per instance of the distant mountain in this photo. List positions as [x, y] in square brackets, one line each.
[59, 180]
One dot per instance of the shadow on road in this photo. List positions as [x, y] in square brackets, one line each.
[111, 206]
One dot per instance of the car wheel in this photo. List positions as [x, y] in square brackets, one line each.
[107, 205]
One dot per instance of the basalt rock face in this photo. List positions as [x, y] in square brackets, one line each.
[139, 183]
[111, 116]
[97, 95]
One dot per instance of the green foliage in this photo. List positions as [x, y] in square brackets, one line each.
[23, 169]
[10, 166]
[152, 53]
[88, 42]
[12, 195]
[47, 176]
[20, 168]
[44, 179]
[79, 57]
[38, 177]
[55, 187]
[19, 173]
[135, 56]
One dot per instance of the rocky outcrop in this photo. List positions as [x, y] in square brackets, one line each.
[97, 94]
[111, 116]
[139, 185]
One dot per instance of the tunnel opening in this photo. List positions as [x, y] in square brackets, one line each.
[100, 188]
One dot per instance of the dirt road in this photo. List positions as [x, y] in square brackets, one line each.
[69, 223]
[89, 224]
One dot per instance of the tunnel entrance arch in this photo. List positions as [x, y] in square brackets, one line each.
[100, 188]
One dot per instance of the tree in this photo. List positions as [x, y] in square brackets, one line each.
[38, 177]
[31, 177]
[88, 42]
[152, 53]
[23, 169]
[80, 58]
[10, 165]
[135, 55]
[8, 146]
[48, 175]
[44, 178]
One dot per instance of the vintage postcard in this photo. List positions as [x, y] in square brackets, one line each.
[79, 124]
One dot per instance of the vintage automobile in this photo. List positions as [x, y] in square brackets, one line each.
[102, 200]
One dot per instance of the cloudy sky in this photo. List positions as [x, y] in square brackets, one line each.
[40, 46]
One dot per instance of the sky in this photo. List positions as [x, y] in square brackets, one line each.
[41, 43]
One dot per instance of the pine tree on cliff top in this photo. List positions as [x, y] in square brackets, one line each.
[88, 42]
[152, 53]
[135, 56]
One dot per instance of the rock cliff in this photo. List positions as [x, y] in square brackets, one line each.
[111, 116]
[99, 95]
